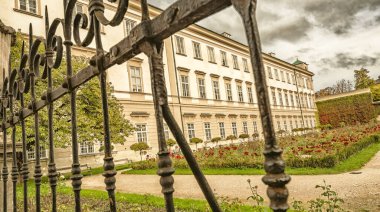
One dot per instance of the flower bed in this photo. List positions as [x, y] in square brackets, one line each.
[315, 150]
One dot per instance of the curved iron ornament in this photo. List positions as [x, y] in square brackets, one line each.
[147, 38]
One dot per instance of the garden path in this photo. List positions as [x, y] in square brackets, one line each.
[360, 191]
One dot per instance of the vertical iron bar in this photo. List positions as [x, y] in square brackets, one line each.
[25, 168]
[274, 165]
[165, 169]
[5, 167]
[75, 169]
[14, 162]
[52, 171]
[37, 169]
[109, 166]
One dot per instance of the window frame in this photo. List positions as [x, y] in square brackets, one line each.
[190, 131]
[216, 89]
[250, 94]
[86, 148]
[245, 65]
[235, 60]
[239, 89]
[202, 88]
[223, 58]
[133, 78]
[143, 133]
[229, 91]
[185, 86]
[197, 50]
[207, 130]
[245, 127]
[180, 45]
[128, 28]
[222, 130]
[234, 129]
[211, 54]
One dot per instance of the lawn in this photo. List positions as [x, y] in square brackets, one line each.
[125, 202]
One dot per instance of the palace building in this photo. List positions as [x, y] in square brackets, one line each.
[209, 81]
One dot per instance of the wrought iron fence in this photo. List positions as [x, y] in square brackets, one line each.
[147, 38]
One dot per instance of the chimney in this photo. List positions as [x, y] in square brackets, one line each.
[272, 54]
[227, 35]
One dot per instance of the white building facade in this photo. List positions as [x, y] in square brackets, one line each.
[209, 81]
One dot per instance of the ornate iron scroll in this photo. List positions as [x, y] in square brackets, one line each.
[147, 38]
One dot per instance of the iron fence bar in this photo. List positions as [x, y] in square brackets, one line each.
[274, 165]
[109, 166]
[4, 105]
[52, 42]
[11, 86]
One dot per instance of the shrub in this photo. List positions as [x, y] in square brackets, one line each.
[216, 140]
[350, 110]
[255, 135]
[196, 141]
[141, 147]
[171, 142]
[243, 136]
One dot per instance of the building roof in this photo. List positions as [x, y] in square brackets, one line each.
[298, 62]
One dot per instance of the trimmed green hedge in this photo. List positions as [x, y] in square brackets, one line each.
[349, 110]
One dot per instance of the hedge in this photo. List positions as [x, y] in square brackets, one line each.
[349, 110]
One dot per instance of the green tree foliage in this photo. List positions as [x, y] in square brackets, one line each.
[140, 147]
[375, 90]
[196, 141]
[216, 140]
[89, 109]
[243, 136]
[231, 137]
[171, 142]
[362, 79]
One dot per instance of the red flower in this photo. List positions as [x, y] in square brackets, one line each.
[246, 153]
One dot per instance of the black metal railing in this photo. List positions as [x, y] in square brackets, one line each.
[147, 38]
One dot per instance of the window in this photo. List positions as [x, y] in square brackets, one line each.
[224, 58]
[297, 100]
[291, 125]
[240, 93]
[211, 54]
[185, 85]
[166, 131]
[276, 74]
[291, 99]
[234, 129]
[311, 124]
[255, 127]
[136, 79]
[141, 133]
[77, 9]
[29, 6]
[31, 153]
[285, 126]
[278, 125]
[202, 88]
[245, 127]
[286, 98]
[221, 130]
[274, 99]
[129, 25]
[197, 50]
[250, 95]
[288, 77]
[280, 97]
[215, 85]
[86, 148]
[296, 123]
[245, 65]
[282, 76]
[191, 130]
[270, 75]
[207, 130]
[229, 91]
[293, 79]
[180, 45]
[236, 62]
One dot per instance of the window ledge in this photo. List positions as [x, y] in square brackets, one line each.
[198, 58]
[179, 53]
[237, 69]
[213, 62]
[90, 154]
[27, 13]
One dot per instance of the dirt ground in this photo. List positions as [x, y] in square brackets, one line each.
[361, 192]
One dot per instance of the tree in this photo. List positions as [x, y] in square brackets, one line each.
[170, 142]
[343, 86]
[255, 135]
[362, 79]
[216, 140]
[140, 147]
[231, 138]
[243, 136]
[196, 141]
[89, 109]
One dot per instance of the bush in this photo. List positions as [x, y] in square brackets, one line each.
[216, 140]
[196, 141]
[350, 110]
[243, 136]
[141, 147]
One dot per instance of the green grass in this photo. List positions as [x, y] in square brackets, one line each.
[354, 162]
[154, 201]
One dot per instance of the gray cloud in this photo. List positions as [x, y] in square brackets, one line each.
[338, 15]
[347, 61]
[290, 31]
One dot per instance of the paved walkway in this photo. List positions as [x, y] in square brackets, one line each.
[358, 190]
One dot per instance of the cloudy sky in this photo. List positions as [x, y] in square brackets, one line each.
[334, 37]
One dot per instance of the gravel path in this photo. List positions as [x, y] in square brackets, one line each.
[360, 191]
